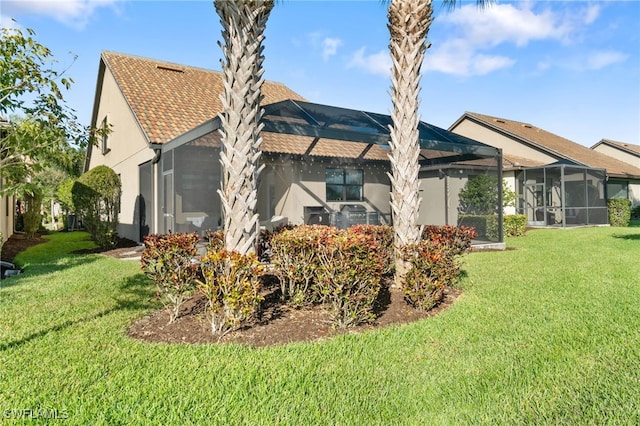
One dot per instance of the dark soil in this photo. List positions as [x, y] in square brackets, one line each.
[18, 243]
[278, 323]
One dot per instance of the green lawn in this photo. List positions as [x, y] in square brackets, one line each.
[548, 333]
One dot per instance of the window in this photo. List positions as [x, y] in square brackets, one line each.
[618, 189]
[105, 137]
[344, 184]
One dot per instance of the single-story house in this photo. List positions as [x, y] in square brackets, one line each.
[629, 153]
[559, 182]
[323, 164]
[7, 202]
[7, 214]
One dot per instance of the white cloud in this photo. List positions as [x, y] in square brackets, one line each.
[330, 47]
[474, 34]
[457, 57]
[500, 23]
[7, 22]
[376, 63]
[591, 14]
[73, 13]
[599, 60]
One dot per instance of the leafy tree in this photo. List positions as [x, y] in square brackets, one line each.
[96, 196]
[32, 217]
[48, 180]
[42, 129]
[479, 196]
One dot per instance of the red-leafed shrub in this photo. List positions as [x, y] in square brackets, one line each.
[433, 263]
[432, 270]
[232, 287]
[349, 276]
[214, 240]
[294, 253]
[265, 251]
[383, 237]
[456, 240]
[168, 261]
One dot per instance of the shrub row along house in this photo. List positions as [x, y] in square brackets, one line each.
[323, 164]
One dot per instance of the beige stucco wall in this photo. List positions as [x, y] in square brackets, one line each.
[128, 149]
[300, 184]
[7, 210]
[509, 179]
[618, 154]
[634, 192]
[509, 146]
[439, 196]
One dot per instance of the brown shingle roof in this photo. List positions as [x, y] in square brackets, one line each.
[623, 146]
[558, 146]
[170, 99]
[282, 143]
[513, 161]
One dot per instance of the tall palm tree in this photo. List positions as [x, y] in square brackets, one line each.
[243, 24]
[409, 22]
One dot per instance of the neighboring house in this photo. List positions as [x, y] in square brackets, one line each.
[628, 153]
[559, 182]
[7, 214]
[323, 164]
[7, 202]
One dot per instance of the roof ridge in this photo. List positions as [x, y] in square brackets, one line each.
[489, 120]
[531, 141]
[171, 64]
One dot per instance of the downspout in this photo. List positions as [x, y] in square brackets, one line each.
[447, 197]
[500, 200]
[157, 150]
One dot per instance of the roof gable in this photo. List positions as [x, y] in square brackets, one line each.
[622, 146]
[169, 99]
[554, 145]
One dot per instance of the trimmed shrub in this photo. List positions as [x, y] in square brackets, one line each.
[294, 254]
[349, 276]
[430, 272]
[635, 212]
[96, 196]
[264, 242]
[168, 260]
[433, 263]
[383, 237]
[515, 225]
[32, 218]
[619, 211]
[454, 240]
[232, 287]
[215, 240]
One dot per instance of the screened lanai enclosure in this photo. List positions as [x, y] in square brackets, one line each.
[563, 195]
[329, 165]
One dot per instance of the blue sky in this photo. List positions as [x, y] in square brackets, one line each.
[569, 67]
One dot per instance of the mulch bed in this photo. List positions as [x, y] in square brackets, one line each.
[279, 324]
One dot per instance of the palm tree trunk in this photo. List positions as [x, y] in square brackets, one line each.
[243, 23]
[409, 22]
